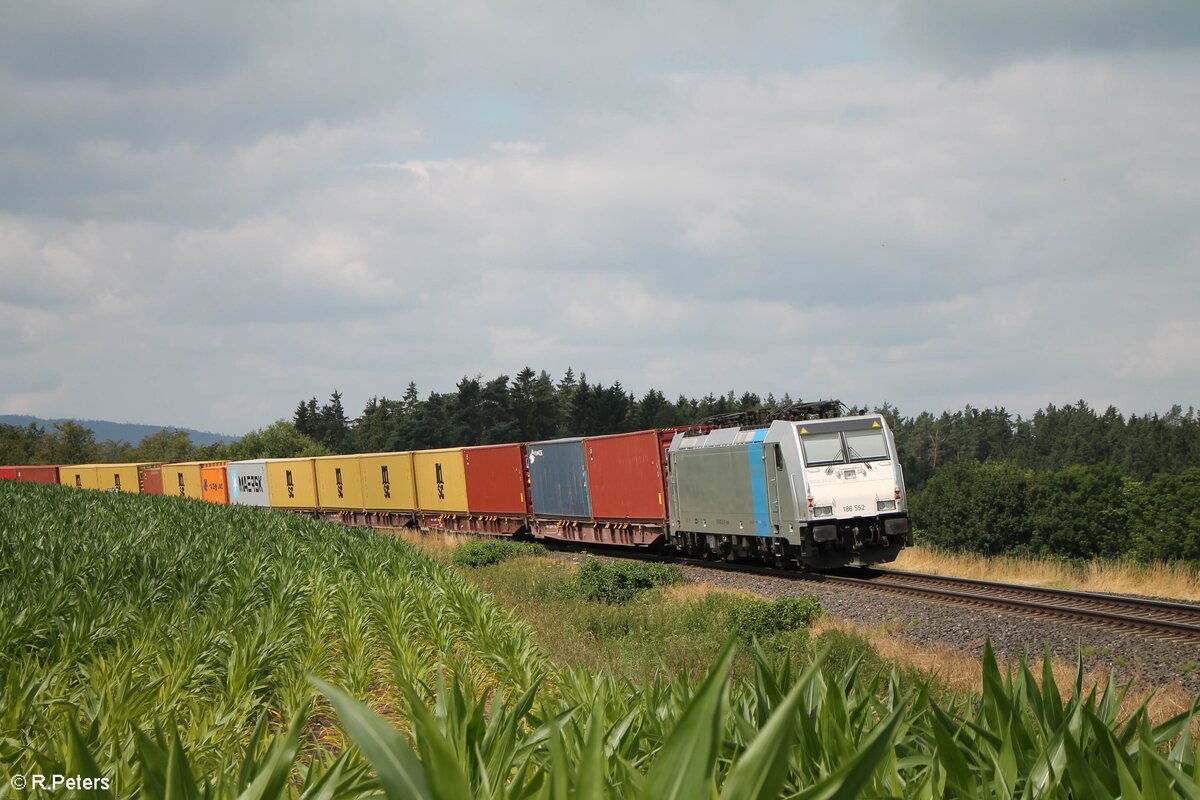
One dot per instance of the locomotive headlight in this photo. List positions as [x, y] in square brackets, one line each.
[885, 505]
[822, 511]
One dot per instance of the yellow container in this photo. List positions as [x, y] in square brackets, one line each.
[441, 480]
[339, 482]
[387, 481]
[184, 479]
[292, 482]
[79, 477]
[120, 477]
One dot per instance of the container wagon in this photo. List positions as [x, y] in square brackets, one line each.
[30, 474]
[340, 488]
[186, 478]
[441, 487]
[497, 500]
[389, 490]
[248, 483]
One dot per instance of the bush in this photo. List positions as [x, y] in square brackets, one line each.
[763, 618]
[484, 552]
[621, 581]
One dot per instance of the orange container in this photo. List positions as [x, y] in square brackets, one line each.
[215, 484]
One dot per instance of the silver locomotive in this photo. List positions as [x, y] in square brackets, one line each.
[819, 493]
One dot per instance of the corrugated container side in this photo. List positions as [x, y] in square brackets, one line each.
[339, 482]
[441, 480]
[388, 482]
[38, 474]
[495, 478]
[8, 473]
[181, 480]
[559, 479]
[214, 484]
[80, 477]
[249, 484]
[119, 477]
[185, 479]
[292, 483]
[625, 476]
[152, 481]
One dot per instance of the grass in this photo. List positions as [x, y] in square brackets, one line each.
[186, 650]
[668, 629]
[956, 673]
[122, 613]
[484, 552]
[1180, 581]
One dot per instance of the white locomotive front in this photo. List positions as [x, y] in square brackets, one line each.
[853, 487]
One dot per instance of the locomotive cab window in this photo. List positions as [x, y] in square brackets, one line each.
[866, 445]
[823, 448]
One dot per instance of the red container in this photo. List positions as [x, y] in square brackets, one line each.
[8, 473]
[496, 479]
[626, 478]
[151, 478]
[38, 474]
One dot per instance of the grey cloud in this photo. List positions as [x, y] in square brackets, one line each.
[983, 34]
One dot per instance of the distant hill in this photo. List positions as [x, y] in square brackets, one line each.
[119, 431]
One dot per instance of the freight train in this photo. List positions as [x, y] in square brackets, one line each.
[805, 490]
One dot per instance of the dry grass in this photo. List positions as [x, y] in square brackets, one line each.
[1178, 581]
[434, 544]
[960, 671]
[698, 591]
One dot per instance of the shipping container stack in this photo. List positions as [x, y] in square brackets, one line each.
[601, 489]
[41, 473]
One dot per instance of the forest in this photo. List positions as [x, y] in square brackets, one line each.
[1068, 481]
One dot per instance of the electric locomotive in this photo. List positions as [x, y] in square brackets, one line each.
[808, 490]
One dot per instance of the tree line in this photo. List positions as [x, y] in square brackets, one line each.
[72, 443]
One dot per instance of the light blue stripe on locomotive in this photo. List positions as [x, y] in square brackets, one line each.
[758, 484]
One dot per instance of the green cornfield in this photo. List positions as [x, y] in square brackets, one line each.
[181, 649]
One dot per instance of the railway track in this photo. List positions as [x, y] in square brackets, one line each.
[1160, 619]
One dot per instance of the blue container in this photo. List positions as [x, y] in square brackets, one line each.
[559, 479]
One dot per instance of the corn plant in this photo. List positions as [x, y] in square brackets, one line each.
[186, 650]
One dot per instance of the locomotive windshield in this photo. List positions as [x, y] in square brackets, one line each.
[866, 445]
[823, 448]
[839, 448]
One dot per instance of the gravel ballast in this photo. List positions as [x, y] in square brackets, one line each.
[1153, 662]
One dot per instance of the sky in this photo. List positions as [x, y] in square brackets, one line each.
[210, 211]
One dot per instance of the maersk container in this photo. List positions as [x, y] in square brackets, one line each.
[441, 480]
[292, 483]
[248, 483]
[38, 474]
[339, 482]
[388, 483]
[214, 484]
[625, 475]
[495, 479]
[558, 478]
[152, 481]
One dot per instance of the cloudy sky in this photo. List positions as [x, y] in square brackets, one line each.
[209, 211]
